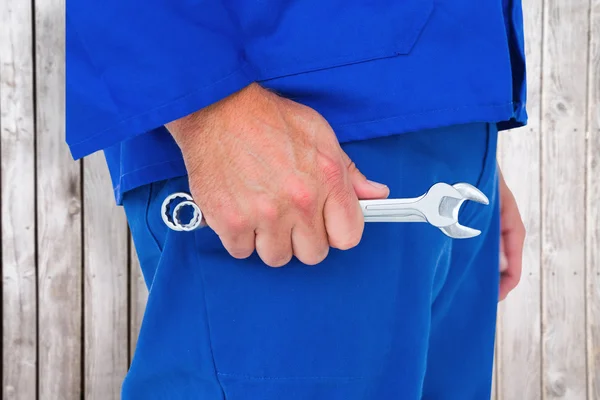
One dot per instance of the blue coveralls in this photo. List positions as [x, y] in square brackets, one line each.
[415, 90]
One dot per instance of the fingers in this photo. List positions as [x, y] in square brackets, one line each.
[344, 221]
[513, 245]
[270, 236]
[309, 238]
[507, 284]
[304, 219]
[274, 246]
[273, 233]
[310, 243]
[364, 188]
[236, 233]
[512, 242]
[241, 246]
[503, 260]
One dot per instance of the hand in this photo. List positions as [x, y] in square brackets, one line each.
[269, 174]
[511, 241]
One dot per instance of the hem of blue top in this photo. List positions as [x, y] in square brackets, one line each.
[507, 115]
[166, 112]
[148, 174]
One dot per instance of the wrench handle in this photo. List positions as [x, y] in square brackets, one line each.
[392, 210]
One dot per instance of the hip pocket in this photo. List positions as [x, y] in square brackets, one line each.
[289, 37]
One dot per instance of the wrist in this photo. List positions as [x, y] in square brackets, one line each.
[192, 125]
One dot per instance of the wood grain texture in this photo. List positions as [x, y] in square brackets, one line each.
[19, 308]
[105, 289]
[593, 207]
[520, 324]
[59, 217]
[138, 298]
[563, 202]
[494, 393]
[548, 342]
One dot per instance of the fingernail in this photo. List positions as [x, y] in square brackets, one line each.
[377, 184]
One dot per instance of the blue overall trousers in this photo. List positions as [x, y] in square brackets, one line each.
[408, 314]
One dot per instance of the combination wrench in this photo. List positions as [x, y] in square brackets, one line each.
[439, 206]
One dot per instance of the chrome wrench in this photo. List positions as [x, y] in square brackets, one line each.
[439, 207]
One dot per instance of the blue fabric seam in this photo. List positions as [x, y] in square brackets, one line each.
[150, 165]
[117, 188]
[205, 306]
[124, 178]
[265, 378]
[147, 219]
[337, 62]
[487, 169]
[424, 113]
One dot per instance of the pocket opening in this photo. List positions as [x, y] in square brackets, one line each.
[308, 38]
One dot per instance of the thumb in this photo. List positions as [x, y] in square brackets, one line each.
[503, 259]
[365, 189]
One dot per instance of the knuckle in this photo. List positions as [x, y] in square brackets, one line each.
[268, 211]
[301, 196]
[342, 197]
[333, 172]
[235, 223]
[351, 167]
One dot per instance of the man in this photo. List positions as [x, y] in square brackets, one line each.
[278, 117]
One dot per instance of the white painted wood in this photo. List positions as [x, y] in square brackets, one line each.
[59, 217]
[138, 299]
[494, 393]
[593, 208]
[563, 202]
[18, 201]
[105, 293]
[561, 283]
[520, 329]
[519, 354]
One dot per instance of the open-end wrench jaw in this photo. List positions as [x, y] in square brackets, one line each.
[470, 192]
[452, 205]
[440, 207]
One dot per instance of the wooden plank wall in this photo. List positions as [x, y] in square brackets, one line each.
[72, 293]
[519, 329]
[592, 243]
[549, 328]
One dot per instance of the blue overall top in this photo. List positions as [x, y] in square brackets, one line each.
[371, 68]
